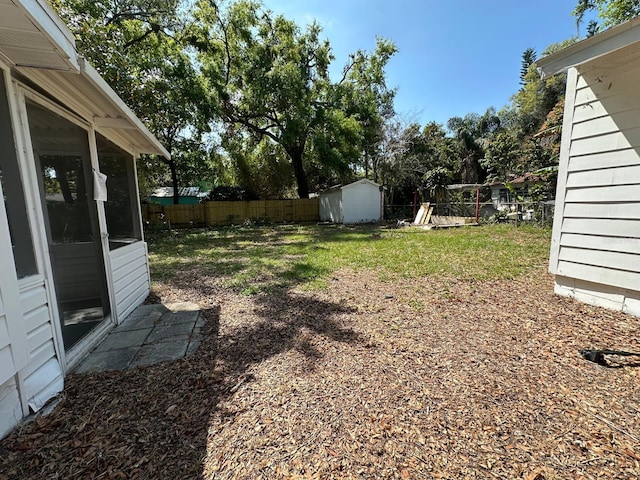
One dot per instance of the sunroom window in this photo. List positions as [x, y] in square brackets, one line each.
[121, 207]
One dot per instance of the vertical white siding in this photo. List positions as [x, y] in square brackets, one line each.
[361, 202]
[130, 274]
[42, 378]
[596, 238]
[331, 206]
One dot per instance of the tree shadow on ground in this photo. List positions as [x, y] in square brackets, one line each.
[287, 322]
[142, 423]
[153, 422]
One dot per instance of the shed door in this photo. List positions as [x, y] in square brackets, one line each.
[61, 150]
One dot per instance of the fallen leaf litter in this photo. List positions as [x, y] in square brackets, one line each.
[431, 378]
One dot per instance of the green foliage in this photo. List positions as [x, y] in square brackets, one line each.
[611, 12]
[269, 79]
[259, 167]
[501, 155]
[471, 134]
[226, 193]
[408, 154]
[137, 46]
[528, 59]
[436, 181]
[536, 98]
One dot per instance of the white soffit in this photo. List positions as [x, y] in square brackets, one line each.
[589, 49]
[32, 35]
[91, 98]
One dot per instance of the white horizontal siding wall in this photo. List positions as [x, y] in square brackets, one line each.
[331, 206]
[361, 202]
[596, 241]
[42, 378]
[130, 276]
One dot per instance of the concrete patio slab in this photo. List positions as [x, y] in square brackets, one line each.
[162, 333]
[117, 340]
[108, 360]
[171, 318]
[150, 334]
[160, 352]
[137, 323]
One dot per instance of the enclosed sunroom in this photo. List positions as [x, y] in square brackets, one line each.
[73, 261]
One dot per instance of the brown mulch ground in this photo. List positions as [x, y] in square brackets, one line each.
[415, 379]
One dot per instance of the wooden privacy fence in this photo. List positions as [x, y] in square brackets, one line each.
[232, 213]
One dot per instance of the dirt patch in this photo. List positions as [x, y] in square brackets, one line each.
[428, 378]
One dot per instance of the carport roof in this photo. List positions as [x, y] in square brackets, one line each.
[35, 42]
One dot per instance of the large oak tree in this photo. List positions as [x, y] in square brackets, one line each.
[270, 79]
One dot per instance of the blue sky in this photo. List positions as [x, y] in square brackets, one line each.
[455, 56]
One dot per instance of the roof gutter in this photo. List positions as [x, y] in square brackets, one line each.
[591, 48]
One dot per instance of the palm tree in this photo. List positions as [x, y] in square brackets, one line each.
[471, 133]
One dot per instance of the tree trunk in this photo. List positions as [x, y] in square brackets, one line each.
[174, 181]
[298, 169]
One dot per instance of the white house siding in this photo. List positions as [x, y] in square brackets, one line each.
[14, 353]
[10, 407]
[331, 203]
[42, 378]
[361, 202]
[130, 273]
[596, 241]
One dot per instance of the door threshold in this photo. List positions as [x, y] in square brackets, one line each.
[84, 346]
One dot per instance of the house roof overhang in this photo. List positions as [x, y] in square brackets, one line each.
[35, 42]
[592, 48]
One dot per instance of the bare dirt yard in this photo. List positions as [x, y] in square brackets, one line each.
[435, 376]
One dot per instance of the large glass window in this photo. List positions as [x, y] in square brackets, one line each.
[13, 192]
[121, 207]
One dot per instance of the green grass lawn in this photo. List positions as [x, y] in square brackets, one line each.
[254, 259]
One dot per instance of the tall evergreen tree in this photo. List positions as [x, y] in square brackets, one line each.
[528, 59]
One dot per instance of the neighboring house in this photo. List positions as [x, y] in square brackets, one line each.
[468, 202]
[595, 245]
[358, 202]
[187, 195]
[518, 190]
[72, 263]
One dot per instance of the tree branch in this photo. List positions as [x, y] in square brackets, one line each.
[347, 69]
[154, 29]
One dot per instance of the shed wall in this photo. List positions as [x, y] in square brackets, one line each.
[596, 238]
[361, 203]
[331, 206]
